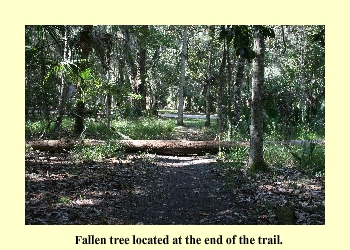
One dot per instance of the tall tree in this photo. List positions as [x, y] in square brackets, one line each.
[228, 94]
[85, 41]
[222, 80]
[238, 84]
[62, 89]
[256, 160]
[180, 121]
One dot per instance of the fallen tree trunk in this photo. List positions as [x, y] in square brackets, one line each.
[168, 147]
[179, 147]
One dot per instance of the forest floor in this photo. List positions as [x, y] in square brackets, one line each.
[162, 190]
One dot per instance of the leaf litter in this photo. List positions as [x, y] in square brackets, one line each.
[137, 189]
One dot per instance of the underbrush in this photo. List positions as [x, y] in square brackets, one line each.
[282, 194]
[144, 128]
[308, 158]
[95, 153]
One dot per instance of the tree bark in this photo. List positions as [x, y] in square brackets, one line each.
[180, 121]
[132, 69]
[228, 94]
[85, 42]
[142, 56]
[62, 97]
[222, 79]
[168, 147]
[239, 80]
[256, 160]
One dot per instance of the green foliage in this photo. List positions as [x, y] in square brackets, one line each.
[145, 128]
[95, 153]
[277, 155]
[40, 129]
[309, 158]
[64, 200]
[35, 127]
[238, 155]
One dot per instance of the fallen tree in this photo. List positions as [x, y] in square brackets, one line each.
[168, 147]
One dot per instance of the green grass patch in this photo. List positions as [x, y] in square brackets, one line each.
[96, 153]
[64, 200]
[145, 128]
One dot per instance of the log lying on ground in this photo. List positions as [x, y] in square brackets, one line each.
[168, 147]
[178, 147]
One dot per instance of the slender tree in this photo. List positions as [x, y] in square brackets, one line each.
[222, 80]
[238, 84]
[256, 160]
[180, 121]
[62, 89]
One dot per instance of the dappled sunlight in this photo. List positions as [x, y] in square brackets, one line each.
[175, 161]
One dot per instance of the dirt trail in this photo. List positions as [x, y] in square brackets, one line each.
[153, 189]
[185, 190]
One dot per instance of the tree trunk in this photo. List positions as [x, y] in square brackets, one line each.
[180, 121]
[62, 97]
[79, 116]
[132, 69]
[303, 103]
[256, 160]
[228, 94]
[142, 66]
[169, 147]
[207, 100]
[239, 80]
[207, 84]
[85, 42]
[221, 87]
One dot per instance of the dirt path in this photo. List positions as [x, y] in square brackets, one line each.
[162, 190]
[185, 190]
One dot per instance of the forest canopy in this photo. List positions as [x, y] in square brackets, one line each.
[128, 71]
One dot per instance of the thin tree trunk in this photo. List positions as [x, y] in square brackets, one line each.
[256, 160]
[221, 87]
[182, 79]
[303, 103]
[208, 81]
[142, 67]
[133, 69]
[85, 41]
[207, 101]
[62, 97]
[239, 80]
[228, 94]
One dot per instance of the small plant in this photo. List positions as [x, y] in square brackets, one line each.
[239, 154]
[310, 158]
[64, 200]
[95, 153]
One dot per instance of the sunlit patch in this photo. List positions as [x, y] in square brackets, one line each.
[84, 202]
